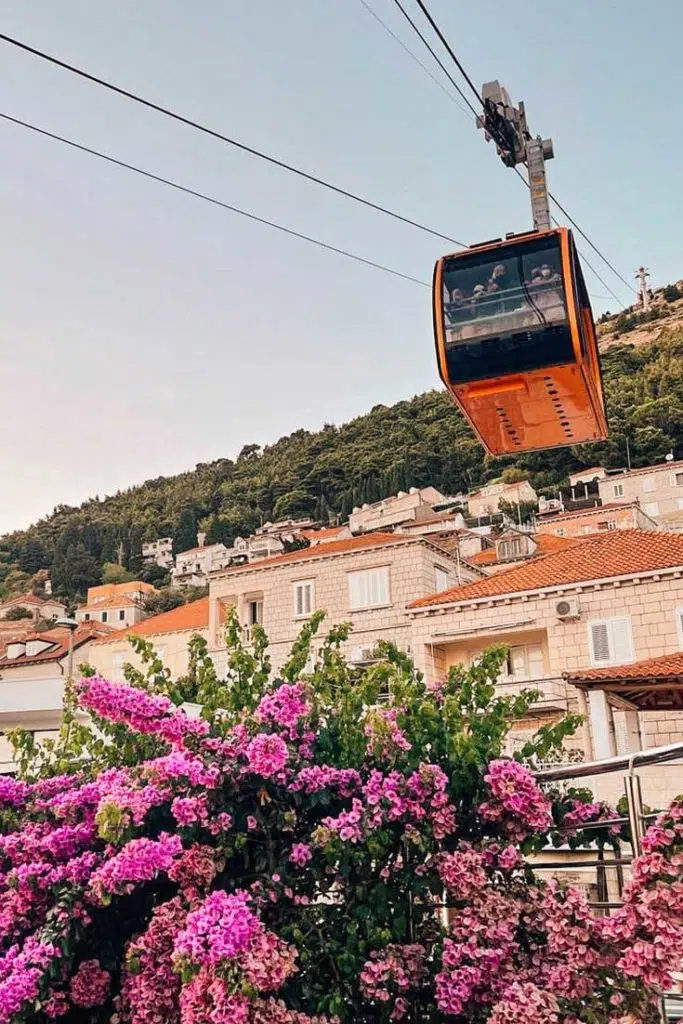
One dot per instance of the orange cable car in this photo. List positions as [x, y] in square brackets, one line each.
[516, 342]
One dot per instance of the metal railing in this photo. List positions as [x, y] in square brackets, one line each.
[671, 1007]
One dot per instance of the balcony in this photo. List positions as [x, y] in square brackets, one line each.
[30, 700]
[554, 694]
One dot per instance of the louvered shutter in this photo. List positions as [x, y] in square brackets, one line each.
[535, 662]
[622, 641]
[600, 650]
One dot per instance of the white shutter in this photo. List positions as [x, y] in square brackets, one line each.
[679, 625]
[599, 635]
[443, 579]
[517, 663]
[535, 665]
[369, 588]
[622, 641]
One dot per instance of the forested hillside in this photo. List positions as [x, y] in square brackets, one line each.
[325, 473]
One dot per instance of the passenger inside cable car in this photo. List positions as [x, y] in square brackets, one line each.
[505, 314]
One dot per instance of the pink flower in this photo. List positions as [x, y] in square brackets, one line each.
[267, 754]
[300, 854]
[222, 927]
[90, 984]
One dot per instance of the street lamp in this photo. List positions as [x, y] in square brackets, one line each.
[72, 626]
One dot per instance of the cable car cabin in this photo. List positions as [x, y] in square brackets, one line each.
[516, 342]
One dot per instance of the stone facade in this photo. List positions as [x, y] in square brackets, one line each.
[659, 489]
[273, 592]
[614, 516]
[486, 501]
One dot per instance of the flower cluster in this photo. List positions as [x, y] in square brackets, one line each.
[143, 712]
[515, 802]
[90, 984]
[385, 738]
[267, 754]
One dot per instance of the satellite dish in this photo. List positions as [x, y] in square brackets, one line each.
[669, 457]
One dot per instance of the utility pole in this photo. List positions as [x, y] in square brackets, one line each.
[642, 274]
[506, 125]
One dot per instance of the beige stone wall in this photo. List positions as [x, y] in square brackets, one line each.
[487, 500]
[109, 657]
[448, 636]
[627, 518]
[659, 487]
[411, 566]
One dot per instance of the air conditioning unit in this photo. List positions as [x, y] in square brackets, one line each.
[568, 609]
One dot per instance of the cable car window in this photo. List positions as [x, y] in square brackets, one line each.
[505, 310]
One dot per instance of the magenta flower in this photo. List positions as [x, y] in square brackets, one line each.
[90, 984]
[267, 754]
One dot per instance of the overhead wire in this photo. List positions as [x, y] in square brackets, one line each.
[423, 7]
[210, 199]
[242, 146]
[436, 57]
[411, 54]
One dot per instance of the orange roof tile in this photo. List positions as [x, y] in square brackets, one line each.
[546, 542]
[665, 667]
[30, 599]
[333, 547]
[58, 637]
[602, 556]
[327, 533]
[194, 615]
[123, 601]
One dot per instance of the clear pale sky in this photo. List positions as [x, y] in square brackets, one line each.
[143, 331]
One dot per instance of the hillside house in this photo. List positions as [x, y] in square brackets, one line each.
[611, 600]
[159, 551]
[169, 632]
[402, 509]
[33, 669]
[580, 523]
[40, 607]
[115, 604]
[658, 489]
[486, 501]
[368, 581]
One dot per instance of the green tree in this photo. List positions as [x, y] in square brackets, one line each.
[185, 532]
[112, 572]
[164, 601]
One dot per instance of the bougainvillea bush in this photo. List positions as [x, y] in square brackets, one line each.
[286, 856]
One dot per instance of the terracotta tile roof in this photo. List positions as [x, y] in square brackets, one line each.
[665, 667]
[554, 517]
[326, 534]
[334, 547]
[546, 542]
[436, 518]
[123, 601]
[58, 638]
[602, 556]
[112, 589]
[194, 615]
[30, 599]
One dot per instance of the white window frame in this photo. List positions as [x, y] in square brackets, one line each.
[609, 624]
[304, 598]
[441, 573]
[618, 490]
[376, 573]
[509, 676]
[675, 481]
[118, 661]
[649, 485]
[679, 625]
[651, 508]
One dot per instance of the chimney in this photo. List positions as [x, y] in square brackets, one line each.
[201, 537]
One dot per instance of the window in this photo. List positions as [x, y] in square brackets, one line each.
[304, 598]
[122, 615]
[369, 588]
[510, 548]
[679, 625]
[105, 616]
[117, 668]
[443, 578]
[652, 508]
[648, 484]
[524, 662]
[618, 490]
[678, 479]
[254, 613]
[611, 641]
[611, 524]
[86, 617]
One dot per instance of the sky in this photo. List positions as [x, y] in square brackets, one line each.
[143, 331]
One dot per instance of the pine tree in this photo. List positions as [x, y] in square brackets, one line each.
[185, 533]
